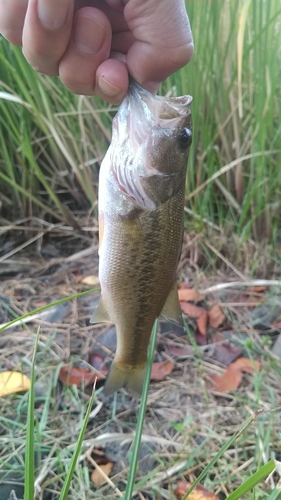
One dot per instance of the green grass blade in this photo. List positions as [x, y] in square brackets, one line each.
[219, 454]
[141, 416]
[72, 465]
[29, 450]
[43, 308]
[252, 481]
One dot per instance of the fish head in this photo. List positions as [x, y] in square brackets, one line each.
[151, 140]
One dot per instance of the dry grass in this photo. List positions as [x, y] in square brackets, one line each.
[186, 423]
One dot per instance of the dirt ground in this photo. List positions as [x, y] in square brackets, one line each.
[187, 419]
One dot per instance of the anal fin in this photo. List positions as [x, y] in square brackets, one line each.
[171, 310]
[100, 315]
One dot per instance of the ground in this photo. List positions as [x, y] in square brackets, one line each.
[187, 419]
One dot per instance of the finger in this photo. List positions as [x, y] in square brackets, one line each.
[112, 79]
[12, 14]
[163, 39]
[46, 33]
[88, 48]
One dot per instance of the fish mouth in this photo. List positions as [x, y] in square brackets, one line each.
[141, 110]
[156, 107]
[136, 125]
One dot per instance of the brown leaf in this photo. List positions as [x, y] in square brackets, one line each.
[160, 370]
[97, 477]
[74, 375]
[191, 310]
[199, 492]
[90, 280]
[96, 360]
[98, 455]
[216, 316]
[258, 289]
[178, 351]
[202, 322]
[231, 378]
[189, 294]
[226, 353]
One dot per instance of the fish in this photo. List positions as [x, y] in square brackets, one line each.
[141, 220]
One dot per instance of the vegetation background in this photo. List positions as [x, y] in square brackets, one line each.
[51, 147]
[52, 142]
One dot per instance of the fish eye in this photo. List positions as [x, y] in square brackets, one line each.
[185, 138]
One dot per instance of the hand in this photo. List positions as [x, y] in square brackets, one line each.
[94, 45]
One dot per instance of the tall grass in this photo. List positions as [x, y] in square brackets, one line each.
[51, 142]
[234, 78]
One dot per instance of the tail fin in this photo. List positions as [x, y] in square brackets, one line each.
[125, 376]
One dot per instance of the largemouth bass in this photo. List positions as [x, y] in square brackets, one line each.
[141, 206]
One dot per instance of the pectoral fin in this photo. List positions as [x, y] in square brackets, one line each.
[100, 315]
[171, 310]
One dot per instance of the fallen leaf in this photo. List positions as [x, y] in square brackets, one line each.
[160, 370]
[200, 339]
[191, 310]
[98, 455]
[75, 375]
[199, 492]
[90, 280]
[231, 378]
[12, 382]
[97, 477]
[276, 324]
[226, 353]
[179, 351]
[189, 294]
[216, 316]
[202, 322]
[96, 360]
[258, 288]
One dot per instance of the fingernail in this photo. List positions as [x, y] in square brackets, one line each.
[108, 88]
[52, 13]
[88, 35]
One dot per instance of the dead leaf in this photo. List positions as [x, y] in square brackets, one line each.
[199, 492]
[179, 351]
[258, 288]
[232, 377]
[189, 294]
[160, 370]
[226, 353]
[75, 375]
[202, 322]
[12, 382]
[200, 339]
[97, 477]
[191, 310]
[216, 316]
[96, 360]
[90, 280]
[276, 324]
[98, 455]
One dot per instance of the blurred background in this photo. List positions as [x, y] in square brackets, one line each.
[52, 142]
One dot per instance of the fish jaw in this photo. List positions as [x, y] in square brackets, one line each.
[145, 148]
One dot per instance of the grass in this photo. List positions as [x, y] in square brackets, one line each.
[227, 443]
[52, 142]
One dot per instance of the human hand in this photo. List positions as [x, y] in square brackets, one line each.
[94, 45]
